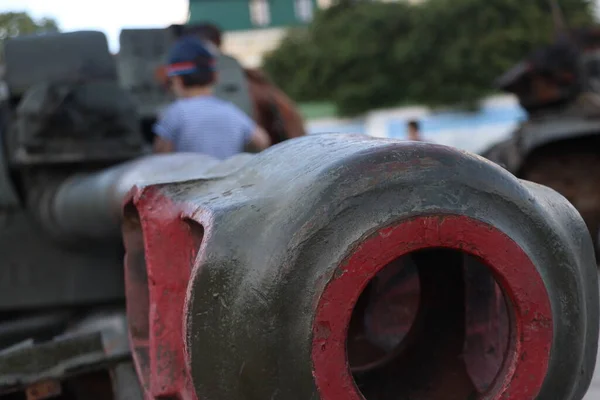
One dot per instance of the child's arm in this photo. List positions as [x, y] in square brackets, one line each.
[161, 145]
[259, 139]
[256, 139]
[166, 130]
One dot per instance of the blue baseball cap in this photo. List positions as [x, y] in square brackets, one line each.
[188, 55]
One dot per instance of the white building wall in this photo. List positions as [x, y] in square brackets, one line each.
[249, 47]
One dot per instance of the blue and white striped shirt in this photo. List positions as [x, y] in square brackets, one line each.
[207, 125]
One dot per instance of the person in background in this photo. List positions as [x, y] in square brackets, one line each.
[273, 109]
[197, 121]
[414, 131]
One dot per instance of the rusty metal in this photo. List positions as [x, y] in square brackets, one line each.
[278, 280]
[58, 359]
[43, 390]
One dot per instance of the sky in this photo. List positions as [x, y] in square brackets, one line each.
[108, 16]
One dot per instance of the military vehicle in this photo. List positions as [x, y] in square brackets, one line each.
[63, 114]
[72, 144]
[559, 143]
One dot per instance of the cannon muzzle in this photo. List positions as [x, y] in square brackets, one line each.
[344, 268]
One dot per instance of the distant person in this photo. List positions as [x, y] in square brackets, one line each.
[414, 131]
[198, 121]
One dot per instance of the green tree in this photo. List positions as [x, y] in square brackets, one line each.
[364, 55]
[458, 47]
[344, 56]
[296, 58]
[20, 23]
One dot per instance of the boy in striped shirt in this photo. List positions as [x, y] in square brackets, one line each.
[198, 121]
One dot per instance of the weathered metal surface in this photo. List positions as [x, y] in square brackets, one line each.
[75, 259]
[70, 111]
[44, 140]
[110, 323]
[56, 359]
[66, 57]
[524, 372]
[43, 390]
[8, 194]
[126, 383]
[141, 53]
[35, 271]
[83, 354]
[89, 206]
[555, 128]
[40, 324]
[246, 286]
[64, 115]
[233, 85]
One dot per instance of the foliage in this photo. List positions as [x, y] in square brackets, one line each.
[466, 44]
[363, 55]
[20, 23]
[344, 56]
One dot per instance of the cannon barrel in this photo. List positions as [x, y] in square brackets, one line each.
[344, 268]
[89, 206]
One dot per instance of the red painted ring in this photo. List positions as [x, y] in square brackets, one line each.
[526, 364]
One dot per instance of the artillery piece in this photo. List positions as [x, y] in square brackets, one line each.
[326, 267]
[341, 267]
[61, 295]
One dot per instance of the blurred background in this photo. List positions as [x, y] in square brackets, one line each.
[352, 66]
